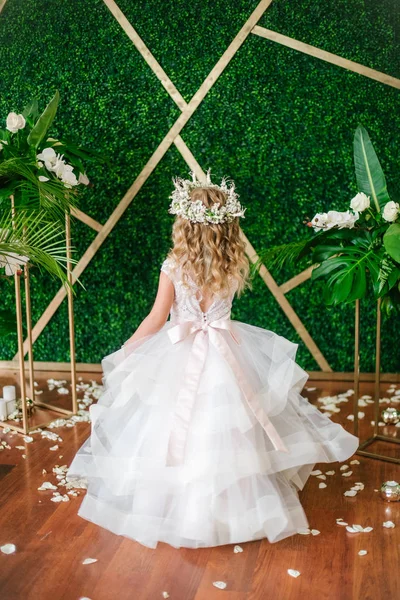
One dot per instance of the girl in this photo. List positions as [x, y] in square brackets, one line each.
[201, 436]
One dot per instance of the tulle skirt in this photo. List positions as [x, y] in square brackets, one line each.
[233, 484]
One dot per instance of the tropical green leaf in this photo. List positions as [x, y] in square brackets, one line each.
[391, 241]
[369, 174]
[43, 123]
[34, 236]
[347, 274]
[51, 196]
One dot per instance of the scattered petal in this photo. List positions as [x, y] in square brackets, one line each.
[315, 531]
[350, 493]
[165, 595]
[347, 474]
[89, 561]
[330, 473]
[317, 472]
[355, 462]
[54, 448]
[47, 485]
[344, 467]
[321, 476]
[362, 552]
[322, 485]
[341, 523]
[8, 548]
[28, 439]
[293, 573]
[367, 529]
[358, 527]
[237, 549]
[302, 531]
[389, 524]
[351, 529]
[219, 584]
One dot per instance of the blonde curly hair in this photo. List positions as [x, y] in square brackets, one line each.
[210, 254]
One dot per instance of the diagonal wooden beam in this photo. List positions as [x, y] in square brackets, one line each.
[184, 117]
[2, 3]
[289, 311]
[147, 55]
[334, 59]
[290, 284]
[79, 214]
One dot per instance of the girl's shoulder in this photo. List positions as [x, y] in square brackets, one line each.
[169, 266]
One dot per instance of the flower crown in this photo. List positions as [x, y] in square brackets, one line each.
[196, 211]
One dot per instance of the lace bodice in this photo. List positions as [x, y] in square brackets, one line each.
[186, 305]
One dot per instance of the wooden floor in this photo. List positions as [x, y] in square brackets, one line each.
[52, 541]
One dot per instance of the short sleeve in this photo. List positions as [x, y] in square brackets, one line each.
[167, 268]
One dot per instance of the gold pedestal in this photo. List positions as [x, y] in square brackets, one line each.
[26, 428]
[376, 435]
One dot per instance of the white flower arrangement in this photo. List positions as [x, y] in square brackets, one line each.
[196, 211]
[334, 218]
[55, 163]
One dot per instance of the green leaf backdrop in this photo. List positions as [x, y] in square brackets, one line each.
[280, 123]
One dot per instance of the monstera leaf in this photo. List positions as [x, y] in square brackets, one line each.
[370, 177]
[391, 241]
[347, 269]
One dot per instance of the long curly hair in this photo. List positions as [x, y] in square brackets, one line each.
[211, 254]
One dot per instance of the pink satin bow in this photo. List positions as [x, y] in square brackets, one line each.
[205, 332]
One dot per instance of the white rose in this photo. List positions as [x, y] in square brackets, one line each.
[319, 221]
[14, 122]
[390, 211]
[360, 202]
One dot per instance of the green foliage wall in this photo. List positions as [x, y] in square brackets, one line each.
[278, 122]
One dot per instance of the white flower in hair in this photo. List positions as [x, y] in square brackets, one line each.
[196, 211]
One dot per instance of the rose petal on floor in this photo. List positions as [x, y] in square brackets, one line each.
[221, 585]
[89, 561]
[293, 572]
[8, 548]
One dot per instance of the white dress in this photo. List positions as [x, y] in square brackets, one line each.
[201, 436]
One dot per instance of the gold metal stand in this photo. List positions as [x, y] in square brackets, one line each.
[376, 435]
[71, 314]
[25, 428]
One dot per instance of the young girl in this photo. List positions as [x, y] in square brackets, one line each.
[201, 436]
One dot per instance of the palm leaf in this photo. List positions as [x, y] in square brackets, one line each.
[19, 175]
[277, 257]
[41, 240]
[369, 174]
